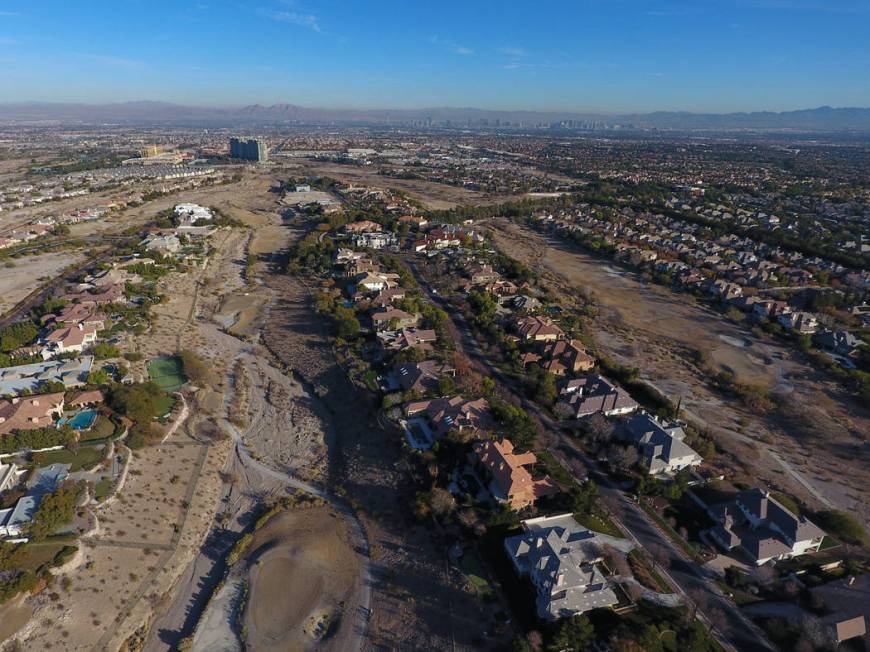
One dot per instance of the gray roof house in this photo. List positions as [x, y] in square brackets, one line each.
[560, 558]
[761, 526]
[662, 448]
[592, 394]
[14, 521]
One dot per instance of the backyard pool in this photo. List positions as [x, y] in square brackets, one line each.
[83, 420]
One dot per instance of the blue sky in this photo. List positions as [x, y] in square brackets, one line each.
[580, 55]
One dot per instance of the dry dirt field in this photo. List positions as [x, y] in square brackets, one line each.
[28, 273]
[434, 196]
[143, 540]
[815, 453]
[416, 603]
[313, 547]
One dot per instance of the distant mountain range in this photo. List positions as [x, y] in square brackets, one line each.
[824, 118]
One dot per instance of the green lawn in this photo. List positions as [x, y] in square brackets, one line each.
[34, 555]
[164, 405]
[167, 373]
[87, 457]
[102, 489]
[473, 569]
[103, 428]
[600, 522]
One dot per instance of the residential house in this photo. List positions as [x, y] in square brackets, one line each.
[374, 240]
[393, 319]
[762, 527]
[362, 226]
[561, 559]
[801, 322]
[27, 378]
[662, 449]
[423, 377]
[445, 414]
[724, 290]
[69, 339]
[408, 338]
[386, 298]
[511, 481]
[566, 357]
[839, 342]
[594, 394]
[377, 281]
[848, 602]
[30, 412]
[538, 329]
[164, 244]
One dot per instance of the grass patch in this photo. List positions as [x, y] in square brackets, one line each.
[164, 404]
[87, 457]
[102, 489]
[829, 542]
[370, 378]
[103, 428]
[473, 569]
[33, 556]
[600, 522]
[167, 373]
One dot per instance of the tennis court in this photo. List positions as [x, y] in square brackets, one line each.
[166, 373]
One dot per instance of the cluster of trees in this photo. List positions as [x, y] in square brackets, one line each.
[139, 403]
[38, 438]
[523, 429]
[17, 335]
[196, 370]
[56, 509]
[311, 252]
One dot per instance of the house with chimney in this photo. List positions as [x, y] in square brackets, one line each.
[69, 339]
[594, 394]
[30, 412]
[511, 481]
[661, 447]
[423, 377]
[445, 414]
[562, 560]
[759, 525]
[536, 328]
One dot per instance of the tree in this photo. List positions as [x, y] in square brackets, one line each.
[55, 509]
[441, 501]
[575, 634]
[98, 377]
[598, 430]
[195, 368]
[842, 525]
[622, 457]
[105, 350]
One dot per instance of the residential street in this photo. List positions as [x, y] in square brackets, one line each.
[736, 631]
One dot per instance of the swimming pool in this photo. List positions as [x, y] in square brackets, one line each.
[83, 420]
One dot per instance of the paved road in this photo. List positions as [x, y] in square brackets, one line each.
[735, 630]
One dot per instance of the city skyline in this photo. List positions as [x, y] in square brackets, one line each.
[614, 57]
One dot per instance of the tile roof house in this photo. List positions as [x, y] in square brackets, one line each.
[408, 338]
[594, 394]
[539, 329]
[78, 313]
[661, 448]
[512, 483]
[30, 412]
[377, 281]
[566, 356]
[68, 339]
[362, 226]
[445, 414]
[561, 559]
[424, 377]
[763, 528]
[393, 318]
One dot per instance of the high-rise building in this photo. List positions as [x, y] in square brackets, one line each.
[249, 150]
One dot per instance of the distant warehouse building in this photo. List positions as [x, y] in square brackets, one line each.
[249, 150]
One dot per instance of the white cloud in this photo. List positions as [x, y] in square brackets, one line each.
[299, 19]
[455, 48]
[512, 51]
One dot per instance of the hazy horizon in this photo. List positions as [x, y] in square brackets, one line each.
[624, 56]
